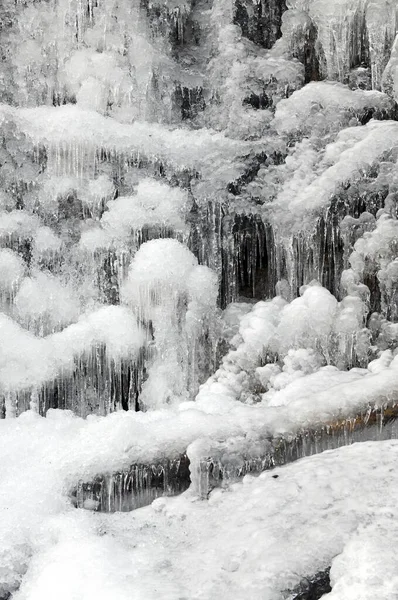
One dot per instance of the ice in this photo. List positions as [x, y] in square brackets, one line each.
[44, 305]
[390, 75]
[12, 269]
[73, 136]
[28, 361]
[304, 335]
[146, 438]
[308, 320]
[17, 224]
[158, 160]
[320, 108]
[374, 256]
[90, 77]
[358, 569]
[235, 377]
[347, 31]
[244, 78]
[167, 288]
[103, 57]
[231, 318]
[354, 152]
[301, 520]
[160, 268]
[283, 392]
[46, 243]
[155, 205]
[97, 195]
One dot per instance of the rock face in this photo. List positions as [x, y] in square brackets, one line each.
[258, 135]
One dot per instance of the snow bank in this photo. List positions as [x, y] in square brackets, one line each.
[360, 570]
[300, 517]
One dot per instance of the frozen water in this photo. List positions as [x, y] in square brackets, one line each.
[348, 30]
[157, 161]
[321, 108]
[28, 361]
[301, 520]
[357, 570]
[168, 289]
[355, 151]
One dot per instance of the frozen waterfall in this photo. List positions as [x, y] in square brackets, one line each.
[198, 285]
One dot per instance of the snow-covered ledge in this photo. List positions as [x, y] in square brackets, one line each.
[226, 440]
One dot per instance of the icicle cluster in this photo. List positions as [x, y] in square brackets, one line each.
[176, 298]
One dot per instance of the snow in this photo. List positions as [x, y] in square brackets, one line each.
[360, 569]
[299, 517]
[166, 287]
[28, 361]
[344, 161]
[80, 133]
[291, 389]
[132, 139]
[321, 107]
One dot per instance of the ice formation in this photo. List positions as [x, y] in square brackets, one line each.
[198, 262]
[169, 290]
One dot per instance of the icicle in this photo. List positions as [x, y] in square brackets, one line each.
[136, 487]
[34, 401]
[11, 405]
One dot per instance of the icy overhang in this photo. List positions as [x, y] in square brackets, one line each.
[75, 139]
